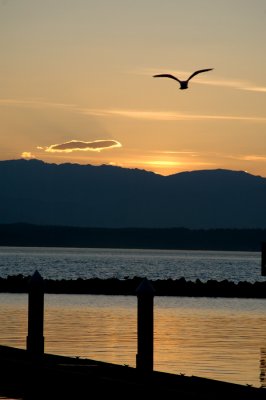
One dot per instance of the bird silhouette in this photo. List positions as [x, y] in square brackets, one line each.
[183, 84]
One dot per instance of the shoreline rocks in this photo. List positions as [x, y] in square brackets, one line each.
[113, 286]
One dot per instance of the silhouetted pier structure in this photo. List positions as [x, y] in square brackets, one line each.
[263, 259]
[144, 357]
[35, 338]
[32, 374]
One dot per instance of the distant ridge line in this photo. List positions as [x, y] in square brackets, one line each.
[175, 238]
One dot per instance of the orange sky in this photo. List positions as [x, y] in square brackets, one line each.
[77, 83]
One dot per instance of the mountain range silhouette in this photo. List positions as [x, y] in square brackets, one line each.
[36, 192]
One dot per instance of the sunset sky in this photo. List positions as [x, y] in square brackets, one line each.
[77, 83]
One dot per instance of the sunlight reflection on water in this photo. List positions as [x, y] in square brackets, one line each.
[223, 339]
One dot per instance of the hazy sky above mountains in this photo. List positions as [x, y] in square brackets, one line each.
[76, 83]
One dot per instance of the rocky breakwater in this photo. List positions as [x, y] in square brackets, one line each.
[113, 286]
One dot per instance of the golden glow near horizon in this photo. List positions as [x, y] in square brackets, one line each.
[77, 86]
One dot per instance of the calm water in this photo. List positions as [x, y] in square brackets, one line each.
[217, 338]
[59, 263]
[222, 339]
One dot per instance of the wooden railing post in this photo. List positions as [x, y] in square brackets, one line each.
[144, 357]
[35, 338]
[263, 259]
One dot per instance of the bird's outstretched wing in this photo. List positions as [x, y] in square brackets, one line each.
[167, 76]
[198, 72]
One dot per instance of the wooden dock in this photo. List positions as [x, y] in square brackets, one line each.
[59, 377]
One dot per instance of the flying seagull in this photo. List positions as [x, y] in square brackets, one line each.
[183, 84]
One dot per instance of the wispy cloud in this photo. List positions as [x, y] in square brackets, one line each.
[253, 157]
[131, 113]
[185, 157]
[181, 152]
[168, 115]
[166, 163]
[261, 89]
[236, 84]
[76, 145]
[36, 103]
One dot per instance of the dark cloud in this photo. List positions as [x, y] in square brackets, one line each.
[78, 145]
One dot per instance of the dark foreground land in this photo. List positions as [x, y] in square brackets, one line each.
[177, 238]
[113, 286]
[57, 377]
